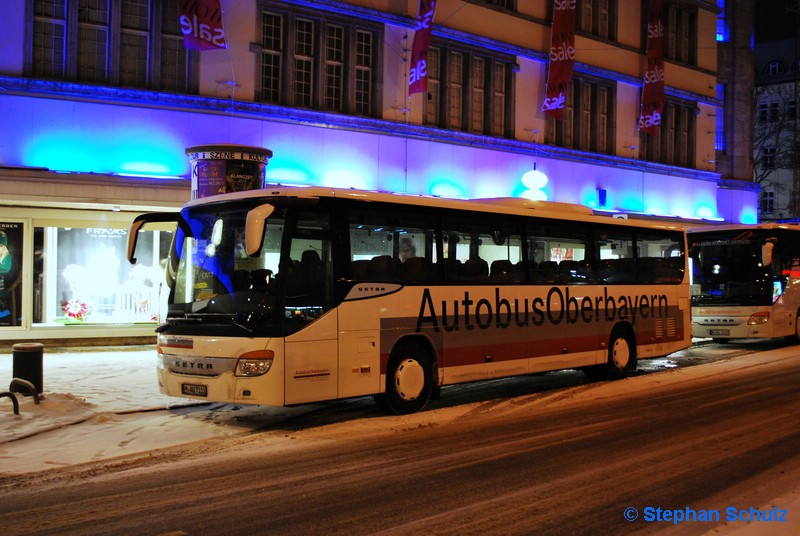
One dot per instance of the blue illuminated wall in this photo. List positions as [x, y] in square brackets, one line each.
[77, 136]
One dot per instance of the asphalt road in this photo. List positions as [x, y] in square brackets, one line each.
[543, 455]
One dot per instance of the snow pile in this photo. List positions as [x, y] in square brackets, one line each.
[96, 404]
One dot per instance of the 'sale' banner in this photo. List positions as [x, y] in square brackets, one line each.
[201, 24]
[562, 58]
[418, 73]
[653, 98]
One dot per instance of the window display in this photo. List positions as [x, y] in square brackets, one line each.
[85, 279]
[10, 272]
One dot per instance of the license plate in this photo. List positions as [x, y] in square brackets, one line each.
[194, 390]
[719, 332]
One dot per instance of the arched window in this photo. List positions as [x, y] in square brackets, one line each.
[774, 68]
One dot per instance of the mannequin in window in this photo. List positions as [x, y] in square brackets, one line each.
[6, 278]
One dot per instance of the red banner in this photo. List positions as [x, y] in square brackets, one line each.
[562, 57]
[653, 97]
[201, 24]
[418, 72]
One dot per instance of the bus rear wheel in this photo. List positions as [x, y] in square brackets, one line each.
[621, 358]
[409, 380]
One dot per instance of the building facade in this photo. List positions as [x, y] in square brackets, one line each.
[100, 100]
[777, 125]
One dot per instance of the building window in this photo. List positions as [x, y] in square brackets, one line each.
[136, 43]
[774, 68]
[505, 4]
[723, 27]
[308, 60]
[767, 202]
[774, 112]
[588, 117]
[681, 36]
[719, 119]
[469, 92]
[597, 18]
[768, 157]
[770, 111]
[674, 142]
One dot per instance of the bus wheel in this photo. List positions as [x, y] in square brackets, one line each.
[409, 380]
[795, 339]
[621, 358]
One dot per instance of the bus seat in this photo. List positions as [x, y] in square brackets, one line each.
[574, 270]
[259, 279]
[475, 268]
[452, 267]
[501, 270]
[415, 268]
[382, 266]
[310, 269]
[359, 269]
[663, 270]
[240, 280]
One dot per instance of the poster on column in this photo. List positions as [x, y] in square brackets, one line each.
[11, 237]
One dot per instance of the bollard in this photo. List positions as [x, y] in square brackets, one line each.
[28, 363]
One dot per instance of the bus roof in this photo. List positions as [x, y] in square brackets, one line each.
[744, 227]
[504, 205]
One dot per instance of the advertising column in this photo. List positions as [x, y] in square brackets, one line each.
[222, 168]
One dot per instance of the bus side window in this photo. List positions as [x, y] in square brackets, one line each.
[559, 253]
[482, 250]
[387, 245]
[617, 256]
[660, 258]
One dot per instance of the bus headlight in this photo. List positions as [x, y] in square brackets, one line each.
[756, 319]
[255, 363]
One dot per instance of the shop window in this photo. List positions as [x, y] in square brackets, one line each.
[10, 273]
[82, 276]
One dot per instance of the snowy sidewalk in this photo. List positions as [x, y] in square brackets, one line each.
[97, 404]
[103, 402]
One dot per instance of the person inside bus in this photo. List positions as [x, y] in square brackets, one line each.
[407, 249]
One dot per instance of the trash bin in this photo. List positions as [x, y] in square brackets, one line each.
[28, 364]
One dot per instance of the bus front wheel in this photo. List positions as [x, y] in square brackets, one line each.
[621, 358]
[409, 380]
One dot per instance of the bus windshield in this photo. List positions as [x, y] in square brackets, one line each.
[731, 272]
[216, 281]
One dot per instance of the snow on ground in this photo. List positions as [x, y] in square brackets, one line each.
[100, 403]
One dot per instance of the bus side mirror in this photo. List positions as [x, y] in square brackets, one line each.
[133, 236]
[766, 253]
[255, 227]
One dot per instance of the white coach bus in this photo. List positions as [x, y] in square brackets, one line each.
[292, 295]
[745, 281]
